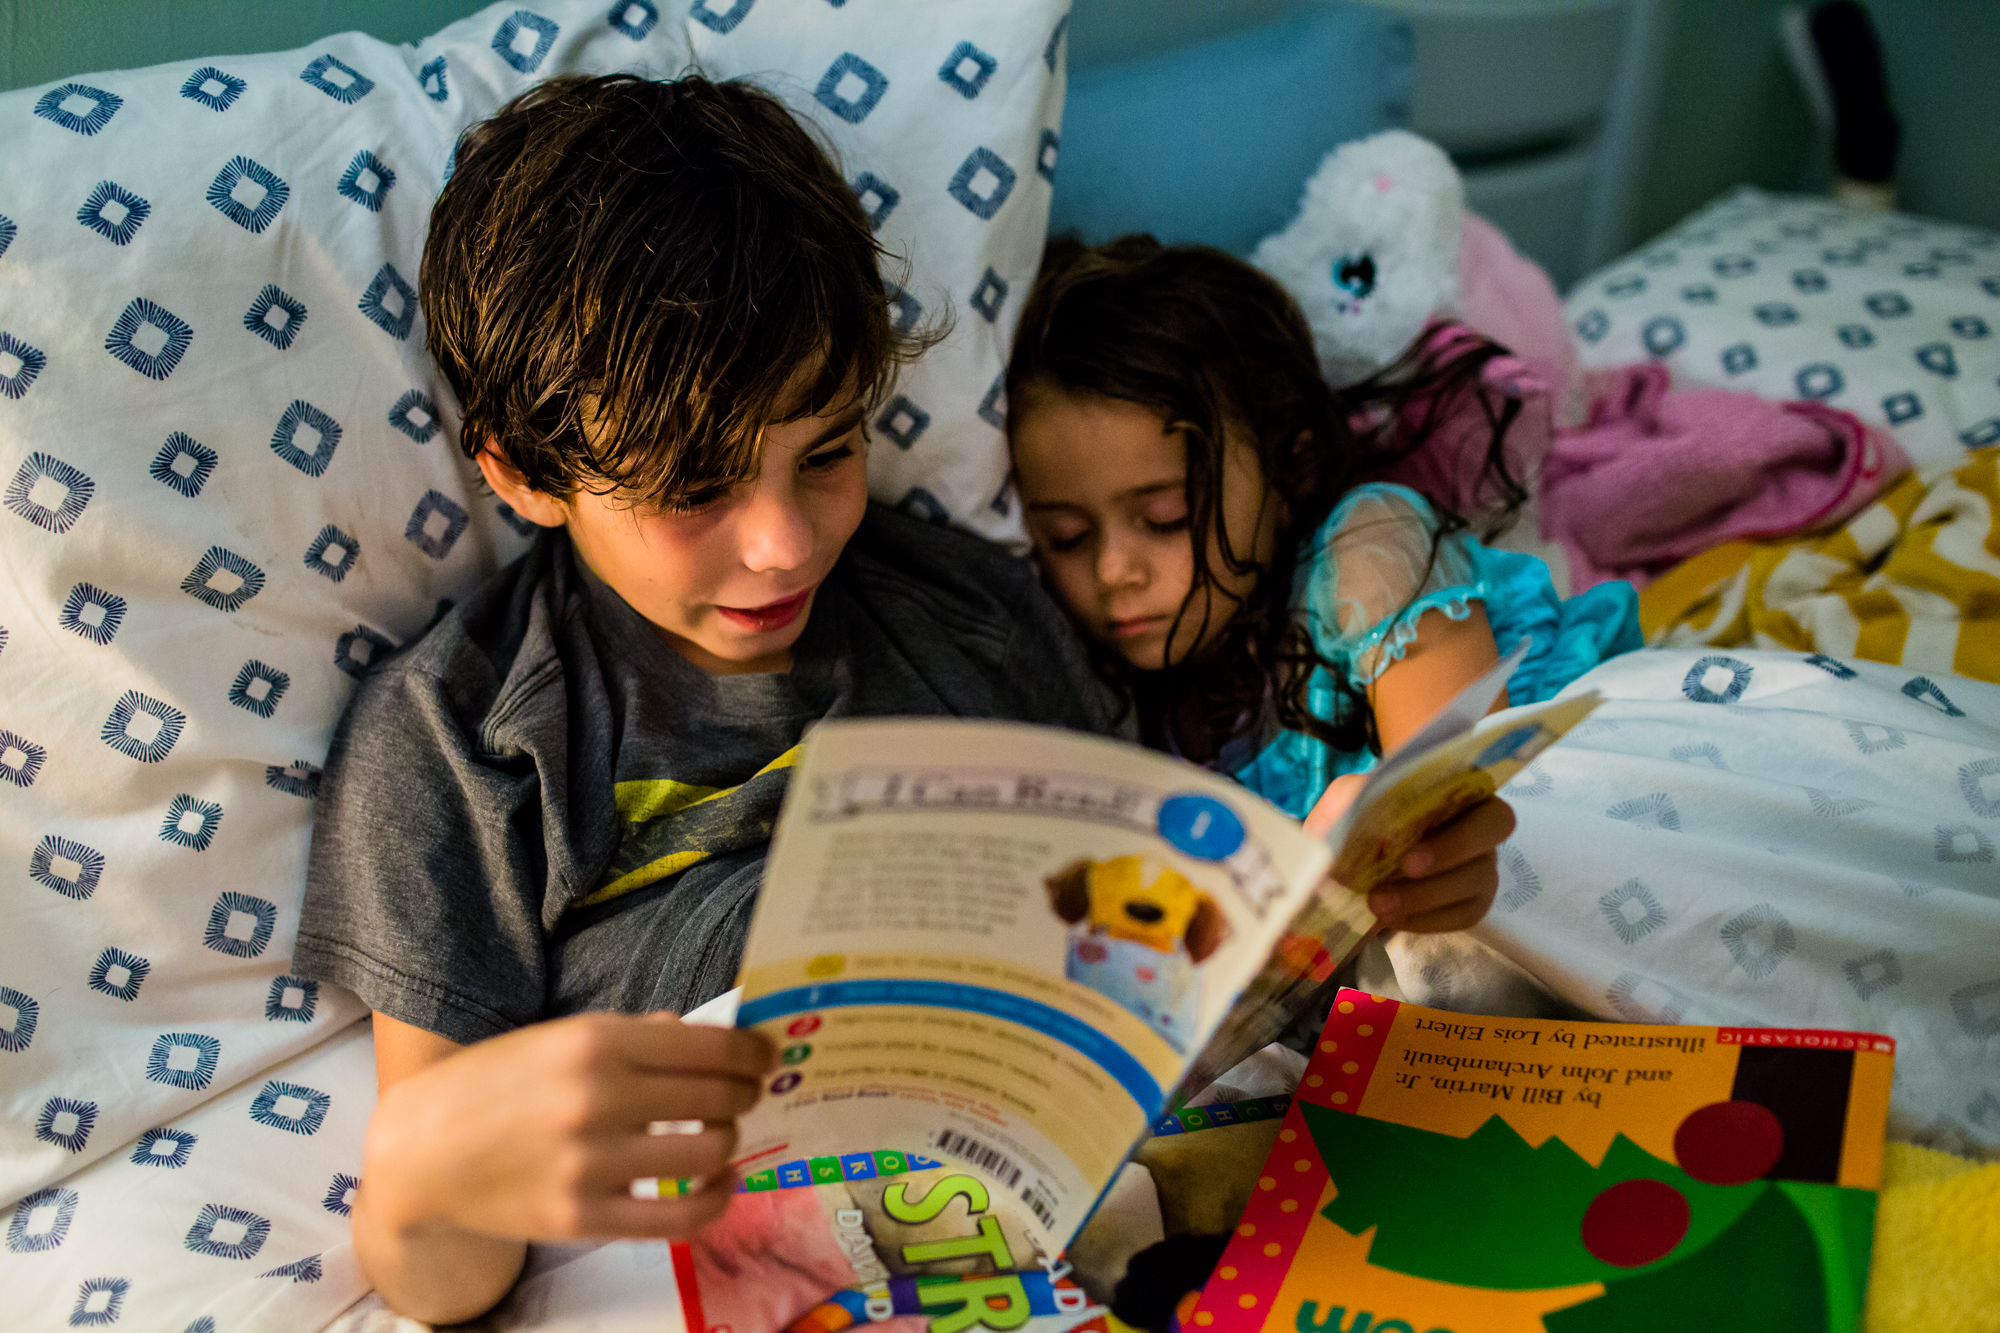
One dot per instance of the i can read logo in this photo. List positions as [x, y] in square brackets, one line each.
[1200, 826]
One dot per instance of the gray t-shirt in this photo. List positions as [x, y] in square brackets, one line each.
[540, 808]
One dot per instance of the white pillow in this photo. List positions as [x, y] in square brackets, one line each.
[233, 1213]
[944, 118]
[1895, 318]
[229, 480]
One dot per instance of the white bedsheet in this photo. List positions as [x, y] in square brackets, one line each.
[1763, 839]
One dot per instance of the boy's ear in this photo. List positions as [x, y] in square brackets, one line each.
[1207, 931]
[508, 483]
[1069, 891]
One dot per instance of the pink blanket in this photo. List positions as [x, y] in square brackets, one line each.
[1653, 477]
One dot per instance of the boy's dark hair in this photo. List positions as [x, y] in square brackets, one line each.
[1210, 342]
[624, 276]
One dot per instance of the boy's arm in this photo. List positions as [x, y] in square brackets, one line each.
[453, 1277]
[476, 1150]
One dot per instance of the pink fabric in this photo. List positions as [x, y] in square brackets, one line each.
[1449, 466]
[1507, 297]
[1653, 477]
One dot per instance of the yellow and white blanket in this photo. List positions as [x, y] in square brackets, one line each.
[1914, 579]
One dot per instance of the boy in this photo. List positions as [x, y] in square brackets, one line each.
[542, 826]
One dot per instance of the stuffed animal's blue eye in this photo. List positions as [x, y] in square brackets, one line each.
[1355, 274]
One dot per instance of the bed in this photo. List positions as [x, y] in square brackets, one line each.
[229, 485]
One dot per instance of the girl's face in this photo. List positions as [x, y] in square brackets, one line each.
[1104, 483]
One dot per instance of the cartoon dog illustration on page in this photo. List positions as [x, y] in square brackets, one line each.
[1138, 930]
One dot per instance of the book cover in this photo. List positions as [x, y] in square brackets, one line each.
[1439, 1173]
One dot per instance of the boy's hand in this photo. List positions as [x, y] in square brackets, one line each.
[538, 1134]
[1448, 880]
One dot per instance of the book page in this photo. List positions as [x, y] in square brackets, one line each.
[994, 948]
[1459, 759]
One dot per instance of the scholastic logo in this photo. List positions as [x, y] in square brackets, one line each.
[1808, 1038]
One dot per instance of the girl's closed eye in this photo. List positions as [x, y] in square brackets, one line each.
[1061, 534]
[1166, 515]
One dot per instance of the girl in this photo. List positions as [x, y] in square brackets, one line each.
[1201, 503]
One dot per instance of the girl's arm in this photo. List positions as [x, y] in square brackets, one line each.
[1449, 879]
[1446, 656]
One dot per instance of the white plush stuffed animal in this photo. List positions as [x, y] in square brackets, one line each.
[1374, 250]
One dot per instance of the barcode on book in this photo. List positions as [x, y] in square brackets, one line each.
[989, 1159]
[1040, 1204]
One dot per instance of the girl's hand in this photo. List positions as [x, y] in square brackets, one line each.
[1448, 880]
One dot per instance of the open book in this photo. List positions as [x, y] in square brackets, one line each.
[990, 953]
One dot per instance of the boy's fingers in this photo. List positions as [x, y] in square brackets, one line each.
[1410, 905]
[664, 1045]
[642, 1096]
[621, 1217]
[1473, 834]
[665, 1156]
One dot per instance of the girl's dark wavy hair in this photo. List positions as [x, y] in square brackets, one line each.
[1211, 342]
[623, 276]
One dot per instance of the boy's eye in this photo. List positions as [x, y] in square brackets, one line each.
[826, 458]
[694, 501]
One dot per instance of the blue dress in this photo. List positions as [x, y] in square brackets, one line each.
[1365, 579]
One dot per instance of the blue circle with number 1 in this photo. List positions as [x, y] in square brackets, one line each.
[1201, 826]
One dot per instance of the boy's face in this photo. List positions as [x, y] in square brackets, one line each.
[1105, 488]
[728, 580]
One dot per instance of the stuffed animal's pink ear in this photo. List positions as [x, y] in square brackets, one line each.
[1207, 931]
[1069, 891]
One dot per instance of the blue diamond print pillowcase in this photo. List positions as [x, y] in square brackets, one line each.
[228, 480]
[1894, 318]
[944, 117]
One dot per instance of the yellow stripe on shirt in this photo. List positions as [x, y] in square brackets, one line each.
[644, 800]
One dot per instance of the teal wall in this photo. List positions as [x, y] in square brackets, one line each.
[41, 40]
[1731, 111]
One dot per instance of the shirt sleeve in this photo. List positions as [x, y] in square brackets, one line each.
[1376, 567]
[424, 885]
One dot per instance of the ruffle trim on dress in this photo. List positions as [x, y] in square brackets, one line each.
[1394, 637]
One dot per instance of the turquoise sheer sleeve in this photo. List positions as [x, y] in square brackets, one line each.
[1377, 568]
[1365, 580]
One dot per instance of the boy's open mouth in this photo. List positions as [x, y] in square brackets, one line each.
[764, 619]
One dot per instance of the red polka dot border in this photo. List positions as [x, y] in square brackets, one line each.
[1240, 1293]
[1344, 1058]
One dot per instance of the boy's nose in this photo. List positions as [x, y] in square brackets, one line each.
[774, 534]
